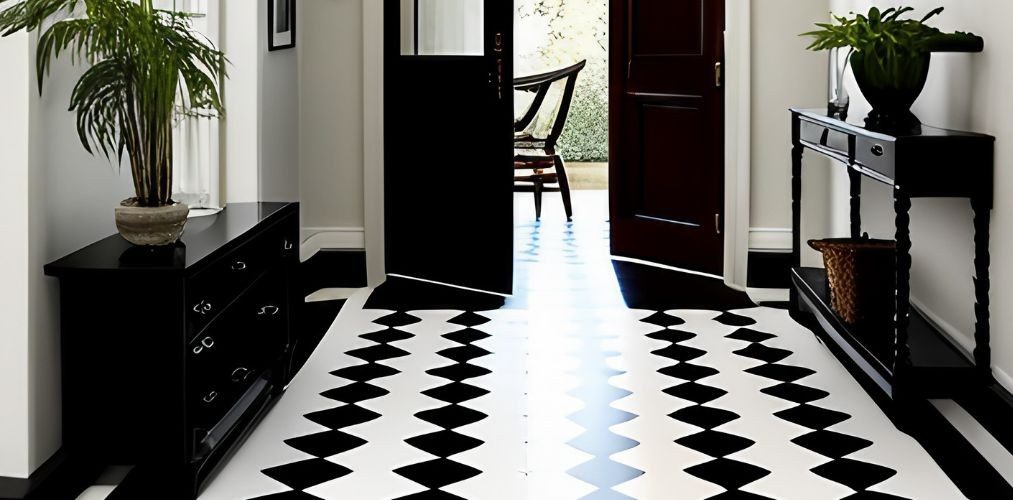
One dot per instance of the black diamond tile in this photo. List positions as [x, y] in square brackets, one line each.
[464, 353]
[665, 320]
[732, 319]
[387, 336]
[459, 372]
[288, 495]
[832, 444]
[813, 417]
[365, 373]
[355, 392]
[451, 417]
[873, 495]
[455, 392]
[749, 335]
[674, 336]
[469, 319]
[764, 353]
[727, 473]
[444, 443]
[782, 373]
[704, 417]
[431, 495]
[679, 353]
[397, 319]
[377, 352]
[690, 372]
[738, 495]
[466, 336]
[795, 393]
[715, 443]
[307, 473]
[854, 474]
[438, 473]
[697, 393]
[604, 473]
[342, 416]
[326, 444]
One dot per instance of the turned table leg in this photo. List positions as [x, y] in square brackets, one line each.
[902, 350]
[982, 285]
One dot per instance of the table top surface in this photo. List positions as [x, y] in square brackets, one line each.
[856, 125]
[202, 238]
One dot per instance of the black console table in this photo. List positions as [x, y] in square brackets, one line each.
[913, 357]
[171, 355]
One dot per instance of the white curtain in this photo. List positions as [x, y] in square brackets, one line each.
[195, 179]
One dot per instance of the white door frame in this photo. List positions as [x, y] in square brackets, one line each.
[737, 140]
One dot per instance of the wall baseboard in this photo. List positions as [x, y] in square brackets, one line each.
[59, 477]
[770, 239]
[315, 239]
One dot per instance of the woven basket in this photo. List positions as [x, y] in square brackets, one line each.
[861, 277]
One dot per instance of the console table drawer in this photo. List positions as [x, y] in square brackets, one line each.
[876, 154]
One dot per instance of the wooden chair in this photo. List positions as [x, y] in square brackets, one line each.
[538, 154]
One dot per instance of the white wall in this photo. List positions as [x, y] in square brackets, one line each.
[784, 75]
[330, 56]
[241, 40]
[279, 118]
[14, 415]
[965, 91]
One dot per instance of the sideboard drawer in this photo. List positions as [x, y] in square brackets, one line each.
[230, 354]
[212, 290]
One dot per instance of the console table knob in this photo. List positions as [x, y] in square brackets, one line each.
[878, 150]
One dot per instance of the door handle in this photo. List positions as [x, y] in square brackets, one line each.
[718, 74]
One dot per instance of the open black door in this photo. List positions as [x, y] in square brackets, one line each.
[448, 103]
[667, 132]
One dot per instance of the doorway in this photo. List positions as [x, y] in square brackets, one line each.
[643, 211]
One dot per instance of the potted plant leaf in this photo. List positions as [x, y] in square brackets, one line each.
[890, 57]
[146, 67]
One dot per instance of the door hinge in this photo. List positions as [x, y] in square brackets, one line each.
[718, 74]
[717, 223]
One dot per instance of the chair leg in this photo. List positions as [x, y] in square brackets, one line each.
[538, 201]
[564, 187]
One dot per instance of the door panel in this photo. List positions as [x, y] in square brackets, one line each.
[667, 114]
[449, 142]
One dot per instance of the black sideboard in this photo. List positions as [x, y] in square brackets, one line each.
[171, 355]
[911, 358]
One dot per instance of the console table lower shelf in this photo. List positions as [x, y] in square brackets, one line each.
[936, 368]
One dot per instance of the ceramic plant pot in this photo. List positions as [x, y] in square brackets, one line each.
[891, 87]
[151, 226]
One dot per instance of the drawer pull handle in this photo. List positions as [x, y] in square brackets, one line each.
[238, 266]
[878, 150]
[240, 374]
[202, 308]
[208, 342]
[211, 396]
[269, 311]
[287, 245]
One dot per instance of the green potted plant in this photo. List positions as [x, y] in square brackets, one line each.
[890, 57]
[146, 67]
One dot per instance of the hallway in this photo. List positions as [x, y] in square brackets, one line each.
[598, 379]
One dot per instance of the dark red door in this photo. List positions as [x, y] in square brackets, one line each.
[667, 132]
[448, 166]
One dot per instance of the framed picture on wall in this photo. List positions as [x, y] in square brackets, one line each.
[280, 24]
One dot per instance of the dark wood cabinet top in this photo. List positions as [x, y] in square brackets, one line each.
[203, 241]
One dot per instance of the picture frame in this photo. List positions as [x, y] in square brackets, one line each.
[281, 24]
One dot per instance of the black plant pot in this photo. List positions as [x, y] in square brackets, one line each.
[891, 86]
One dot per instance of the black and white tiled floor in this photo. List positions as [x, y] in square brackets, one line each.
[598, 380]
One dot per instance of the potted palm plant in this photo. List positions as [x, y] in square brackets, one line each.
[890, 57]
[146, 67]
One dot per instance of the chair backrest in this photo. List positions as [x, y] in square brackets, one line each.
[540, 85]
